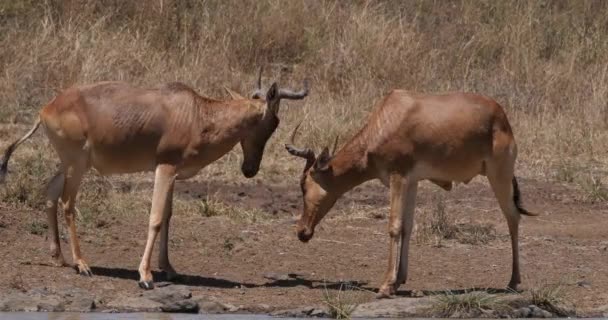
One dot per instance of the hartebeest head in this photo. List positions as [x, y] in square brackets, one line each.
[318, 192]
[254, 142]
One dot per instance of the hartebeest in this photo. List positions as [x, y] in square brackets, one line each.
[117, 128]
[411, 137]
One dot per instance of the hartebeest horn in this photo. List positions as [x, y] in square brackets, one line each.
[305, 153]
[288, 94]
[333, 152]
[257, 92]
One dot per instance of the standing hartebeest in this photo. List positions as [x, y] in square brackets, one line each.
[116, 128]
[411, 137]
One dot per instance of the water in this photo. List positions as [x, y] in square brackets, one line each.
[142, 316]
[127, 316]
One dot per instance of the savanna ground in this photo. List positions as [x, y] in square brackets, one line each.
[544, 61]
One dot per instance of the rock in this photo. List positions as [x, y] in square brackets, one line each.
[262, 308]
[213, 307]
[603, 311]
[134, 304]
[392, 308]
[296, 312]
[522, 312]
[181, 306]
[230, 307]
[319, 312]
[78, 300]
[35, 300]
[276, 276]
[173, 299]
[536, 312]
[584, 283]
[171, 292]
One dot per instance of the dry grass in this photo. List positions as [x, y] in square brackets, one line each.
[544, 61]
[552, 297]
[467, 305]
[437, 225]
[342, 302]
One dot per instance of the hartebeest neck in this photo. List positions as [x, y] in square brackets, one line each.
[349, 169]
[229, 120]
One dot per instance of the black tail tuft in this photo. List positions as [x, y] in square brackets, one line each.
[4, 165]
[517, 199]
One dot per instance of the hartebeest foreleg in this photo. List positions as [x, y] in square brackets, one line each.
[163, 257]
[163, 184]
[403, 202]
[73, 177]
[54, 191]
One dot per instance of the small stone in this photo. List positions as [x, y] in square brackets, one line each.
[276, 276]
[584, 283]
[522, 312]
[263, 307]
[417, 294]
[537, 312]
[230, 307]
[213, 307]
[181, 306]
[134, 304]
[297, 312]
[318, 312]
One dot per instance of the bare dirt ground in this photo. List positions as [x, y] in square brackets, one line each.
[232, 259]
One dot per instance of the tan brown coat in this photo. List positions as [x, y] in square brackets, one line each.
[411, 137]
[118, 128]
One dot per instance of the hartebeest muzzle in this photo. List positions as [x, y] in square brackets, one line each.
[249, 170]
[305, 234]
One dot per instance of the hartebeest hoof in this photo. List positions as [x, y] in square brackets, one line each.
[146, 285]
[58, 261]
[513, 286]
[83, 269]
[386, 292]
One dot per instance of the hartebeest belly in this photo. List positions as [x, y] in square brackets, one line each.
[411, 137]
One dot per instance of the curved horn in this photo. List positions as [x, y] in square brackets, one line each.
[257, 91]
[288, 94]
[305, 153]
[333, 152]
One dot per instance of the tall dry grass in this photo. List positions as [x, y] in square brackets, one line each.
[544, 61]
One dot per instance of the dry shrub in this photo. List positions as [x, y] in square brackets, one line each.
[543, 61]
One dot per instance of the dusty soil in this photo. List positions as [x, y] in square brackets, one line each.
[233, 260]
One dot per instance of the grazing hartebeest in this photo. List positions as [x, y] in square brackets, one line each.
[411, 137]
[116, 128]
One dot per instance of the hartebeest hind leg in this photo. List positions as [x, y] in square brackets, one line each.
[500, 175]
[163, 257]
[163, 184]
[403, 202]
[73, 177]
[54, 191]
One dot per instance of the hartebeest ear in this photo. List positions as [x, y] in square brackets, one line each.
[322, 163]
[234, 94]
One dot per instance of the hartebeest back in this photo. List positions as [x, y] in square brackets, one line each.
[117, 128]
[411, 137]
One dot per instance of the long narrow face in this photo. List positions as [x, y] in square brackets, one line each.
[254, 143]
[317, 202]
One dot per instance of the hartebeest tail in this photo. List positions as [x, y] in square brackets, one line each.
[9, 151]
[517, 199]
